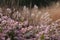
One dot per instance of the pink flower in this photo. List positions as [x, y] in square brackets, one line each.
[4, 17]
[23, 30]
[30, 27]
[25, 23]
[8, 39]
[47, 29]
[4, 22]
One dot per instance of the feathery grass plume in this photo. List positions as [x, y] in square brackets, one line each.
[45, 18]
[34, 13]
[16, 15]
[1, 10]
[8, 12]
[57, 4]
[24, 11]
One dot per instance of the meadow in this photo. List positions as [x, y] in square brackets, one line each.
[30, 24]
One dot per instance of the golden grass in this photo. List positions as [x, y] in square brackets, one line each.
[54, 11]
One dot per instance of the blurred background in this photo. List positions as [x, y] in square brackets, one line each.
[28, 3]
[29, 19]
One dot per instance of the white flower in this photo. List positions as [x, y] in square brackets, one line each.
[35, 6]
[9, 10]
[47, 29]
[24, 7]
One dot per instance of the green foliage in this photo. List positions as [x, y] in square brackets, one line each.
[29, 35]
[21, 19]
[42, 37]
[11, 34]
[0, 29]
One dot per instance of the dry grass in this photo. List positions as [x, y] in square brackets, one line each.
[54, 11]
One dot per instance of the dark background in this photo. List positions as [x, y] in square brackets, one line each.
[28, 3]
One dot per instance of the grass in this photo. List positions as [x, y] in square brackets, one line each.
[34, 24]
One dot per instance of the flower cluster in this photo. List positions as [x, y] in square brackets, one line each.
[28, 25]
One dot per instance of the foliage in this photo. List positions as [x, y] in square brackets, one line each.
[18, 3]
[42, 37]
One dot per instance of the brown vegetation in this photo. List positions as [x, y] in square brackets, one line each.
[54, 11]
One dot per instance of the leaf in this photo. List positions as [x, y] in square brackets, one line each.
[0, 29]
[29, 34]
[42, 37]
[22, 19]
